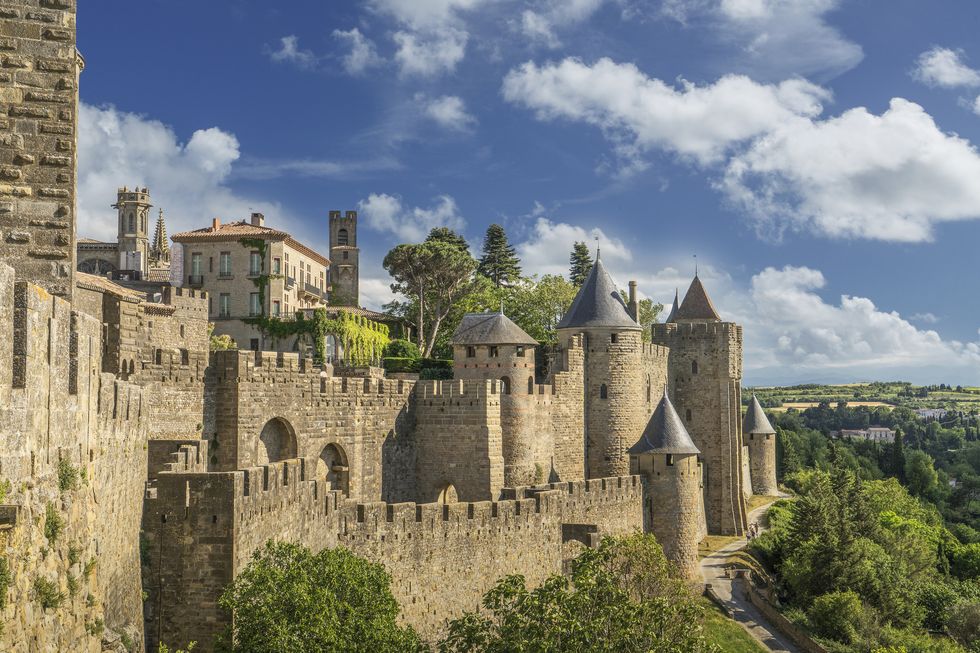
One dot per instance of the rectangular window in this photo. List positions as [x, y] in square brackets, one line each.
[196, 264]
[493, 351]
[471, 352]
[254, 344]
[254, 308]
[614, 337]
[210, 264]
[276, 265]
[224, 264]
[520, 351]
[255, 264]
[345, 255]
[224, 305]
[275, 308]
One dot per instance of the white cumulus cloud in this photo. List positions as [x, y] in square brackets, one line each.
[387, 214]
[362, 54]
[447, 111]
[541, 24]
[290, 52]
[549, 245]
[429, 54]
[889, 177]
[945, 67]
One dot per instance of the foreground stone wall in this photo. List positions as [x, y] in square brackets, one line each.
[203, 528]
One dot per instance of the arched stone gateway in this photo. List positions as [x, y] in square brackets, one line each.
[448, 494]
[277, 441]
[332, 466]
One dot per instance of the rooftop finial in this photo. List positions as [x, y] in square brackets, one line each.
[695, 265]
[501, 306]
[597, 248]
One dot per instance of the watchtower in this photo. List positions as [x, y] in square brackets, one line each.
[614, 373]
[667, 460]
[761, 438]
[705, 381]
[344, 254]
[133, 207]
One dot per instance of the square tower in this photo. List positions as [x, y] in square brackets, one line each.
[133, 206]
[344, 253]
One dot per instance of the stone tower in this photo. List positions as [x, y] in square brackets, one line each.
[705, 377]
[761, 438]
[133, 206]
[614, 372]
[667, 460]
[344, 254]
[490, 346]
[38, 135]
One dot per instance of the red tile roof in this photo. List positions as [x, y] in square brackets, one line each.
[235, 231]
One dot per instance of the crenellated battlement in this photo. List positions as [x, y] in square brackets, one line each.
[668, 330]
[458, 390]
[655, 351]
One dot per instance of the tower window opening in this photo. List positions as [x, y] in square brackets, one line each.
[520, 351]
[132, 223]
[471, 352]
[614, 338]
[342, 237]
[530, 385]
[688, 415]
[494, 351]
[670, 460]
[603, 391]
[694, 367]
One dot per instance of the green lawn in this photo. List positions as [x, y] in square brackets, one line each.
[726, 634]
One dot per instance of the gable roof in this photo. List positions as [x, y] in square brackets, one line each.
[598, 304]
[490, 329]
[235, 231]
[697, 305]
[664, 433]
[756, 420]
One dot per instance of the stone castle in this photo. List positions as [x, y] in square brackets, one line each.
[139, 471]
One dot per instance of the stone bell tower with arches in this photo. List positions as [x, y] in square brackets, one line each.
[344, 253]
[133, 207]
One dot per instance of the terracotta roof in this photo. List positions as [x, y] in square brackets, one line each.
[235, 231]
[490, 329]
[755, 419]
[696, 305]
[93, 241]
[665, 433]
[598, 304]
[101, 284]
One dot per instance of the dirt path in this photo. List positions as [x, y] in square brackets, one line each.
[713, 569]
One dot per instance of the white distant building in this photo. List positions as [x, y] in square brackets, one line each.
[931, 413]
[872, 434]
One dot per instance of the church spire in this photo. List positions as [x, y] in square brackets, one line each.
[159, 248]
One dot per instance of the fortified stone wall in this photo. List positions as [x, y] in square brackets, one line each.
[203, 528]
[73, 455]
[705, 381]
[39, 70]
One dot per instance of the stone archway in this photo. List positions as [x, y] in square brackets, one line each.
[333, 468]
[277, 441]
[448, 494]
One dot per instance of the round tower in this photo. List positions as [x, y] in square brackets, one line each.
[615, 384]
[760, 436]
[667, 460]
[490, 346]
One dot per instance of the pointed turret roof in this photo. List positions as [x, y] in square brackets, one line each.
[696, 305]
[490, 329]
[160, 246]
[665, 432]
[673, 309]
[756, 420]
[598, 304]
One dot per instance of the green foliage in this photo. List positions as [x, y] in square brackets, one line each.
[965, 561]
[89, 568]
[4, 489]
[67, 475]
[5, 579]
[363, 340]
[647, 313]
[964, 624]
[47, 594]
[449, 237]
[72, 582]
[620, 597]
[95, 628]
[290, 599]
[920, 475]
[402, 364]
[499, 262]
[580, 264]
[838, 615]
[435, 369]
[399, 348]
[54, 523]
[165, 649]
[74, 554]
[219, 343]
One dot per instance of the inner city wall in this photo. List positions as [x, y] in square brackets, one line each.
[201, 530]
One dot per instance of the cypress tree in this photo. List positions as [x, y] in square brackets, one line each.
[499, 262]
[581, 264]
[898, 457]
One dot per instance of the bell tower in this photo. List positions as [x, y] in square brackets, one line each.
[344, 252]
[133, 206]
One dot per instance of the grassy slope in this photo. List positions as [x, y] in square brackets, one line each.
[726, 634]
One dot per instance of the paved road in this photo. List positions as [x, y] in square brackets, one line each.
[713, 569]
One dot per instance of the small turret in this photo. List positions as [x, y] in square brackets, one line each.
[697, 306]
[667, 459]
[673, 309]
[760, 437]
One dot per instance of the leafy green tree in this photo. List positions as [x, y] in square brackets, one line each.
[448, 236]
[920, 475]
[839, 616]
[964, 624]
[219, 343]
[290, 599]
[399, 348]
[499, 261]
[898, 456]
[580, 264]
[647, 313]
[619, 598]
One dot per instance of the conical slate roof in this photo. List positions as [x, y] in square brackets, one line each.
[598, 304]
[673, 309]
[756, 420]
[665, 433]
[490, 329]
[696, 305]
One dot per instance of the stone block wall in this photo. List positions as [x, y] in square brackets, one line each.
[568, 412]
[762, 462]
[39, 70]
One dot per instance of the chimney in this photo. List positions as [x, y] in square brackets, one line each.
[215, 224]
[258, 220]
[633, 307]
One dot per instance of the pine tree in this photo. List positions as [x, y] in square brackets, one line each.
[499, 262]
[447, 235]
[581, 264]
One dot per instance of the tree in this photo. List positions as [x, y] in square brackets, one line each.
[290, 599]
[920, 475]
[647, 313]
[499, 262]
[581, 264]
[620, 597]
[448, 236]
[898, 456]
[219, 343]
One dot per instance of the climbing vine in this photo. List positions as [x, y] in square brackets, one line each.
[261, 281]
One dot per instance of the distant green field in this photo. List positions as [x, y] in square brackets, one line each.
[800, 397]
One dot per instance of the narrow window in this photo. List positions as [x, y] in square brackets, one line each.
[505, 385]
[185, 357]
[694, 367]
[346, 255]
[253, 304]
[132, 223]
[688, 415]
[520, 351]
[493, 351]
[182, 326]
[530, 385]
[255, 264]
[196, 264]
[276, 265]
[603, 391]
[342, 237]
[614, 337]
[275, 308]
[224, 305]
[254, 344]
[670, 459]
[224, 264]
[471, 352]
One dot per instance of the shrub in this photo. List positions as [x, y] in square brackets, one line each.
[4, 490]
[964, 624]
[5, 580]
[89, 567]
[46, 593]
[53, 523]
[400, 364]
[67, 475]
[74, 554]
[72, 585]
[95, 628]
[436, 369]
[399, 348]
[837, 615]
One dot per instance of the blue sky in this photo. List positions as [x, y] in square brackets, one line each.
[818, 156]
